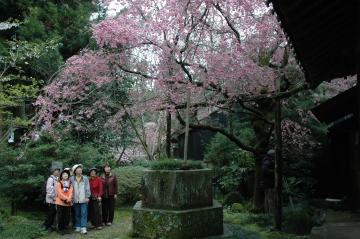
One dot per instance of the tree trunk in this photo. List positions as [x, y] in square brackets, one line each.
[13, 208]
[258, 190]
[270, 201]
[186, 143]
[168, 134]
[278, 162]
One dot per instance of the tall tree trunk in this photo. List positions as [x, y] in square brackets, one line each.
[186, 143]
[168, 134]
[262, 131]
[278, 161]
[258, 190]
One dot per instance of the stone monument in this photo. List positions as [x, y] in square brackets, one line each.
[177, 204]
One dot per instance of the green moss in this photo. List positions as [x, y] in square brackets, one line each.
[177, 224]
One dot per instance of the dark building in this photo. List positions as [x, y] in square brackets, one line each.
[339, 171]
[198, 138]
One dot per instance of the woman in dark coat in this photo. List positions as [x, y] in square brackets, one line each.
[110, 188]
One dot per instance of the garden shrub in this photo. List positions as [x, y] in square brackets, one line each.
[298, 221]
[262, 220]
[221, 151]
[129, 183]
[232, 166]
[247, 218]
[174, 164]
[242, 207]
[4, 212]
[140, 162]
[238, 207]
[232, 197]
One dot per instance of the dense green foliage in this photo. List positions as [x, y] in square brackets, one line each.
[129, 183]
[42, 20]
[298, 221]
[43, 35]
[232, 166]
[232, 197]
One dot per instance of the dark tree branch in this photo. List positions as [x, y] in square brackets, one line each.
[232, 27]
[135, 72]
[222, 131]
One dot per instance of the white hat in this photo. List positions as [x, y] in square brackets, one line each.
[75, 167]
[271, 152]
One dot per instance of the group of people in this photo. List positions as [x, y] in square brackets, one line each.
[72, 196]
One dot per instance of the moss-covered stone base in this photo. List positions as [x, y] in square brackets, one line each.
[177, 189]
[178, 224]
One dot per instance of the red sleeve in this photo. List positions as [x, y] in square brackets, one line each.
[101, 188]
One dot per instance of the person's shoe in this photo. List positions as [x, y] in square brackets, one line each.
[78, 229]
[108, 224]
[99, 228]
[83, 230]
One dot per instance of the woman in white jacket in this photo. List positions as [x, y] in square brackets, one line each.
[81, 197]
[50, 198]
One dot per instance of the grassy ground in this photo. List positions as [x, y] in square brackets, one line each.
[27, 226]
[121, 229]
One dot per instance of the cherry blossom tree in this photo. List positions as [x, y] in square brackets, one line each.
[226, 53]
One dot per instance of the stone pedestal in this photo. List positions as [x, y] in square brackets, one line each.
[177, 189]
[177, 204]
[178, 224]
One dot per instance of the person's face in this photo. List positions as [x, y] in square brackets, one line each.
[65, 176]
[56, 173]
[92, 173]
[78, 171]
[107, 169]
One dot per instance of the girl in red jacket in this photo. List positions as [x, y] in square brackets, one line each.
[96, 188]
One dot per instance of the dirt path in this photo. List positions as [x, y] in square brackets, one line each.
[339, 225]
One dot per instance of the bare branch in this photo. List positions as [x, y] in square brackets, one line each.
[232, 27]
[222, 131]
